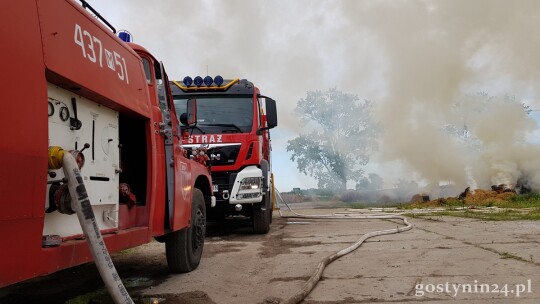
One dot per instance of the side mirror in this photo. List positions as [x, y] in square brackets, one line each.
[271, 113]
[190, 118]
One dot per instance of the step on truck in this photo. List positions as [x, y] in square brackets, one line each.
[71, 86]
[233, 130]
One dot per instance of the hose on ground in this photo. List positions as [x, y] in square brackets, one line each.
[81, 205]
[310, 284]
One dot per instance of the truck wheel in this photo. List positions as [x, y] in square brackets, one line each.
[184, 247]
[271, 213]
[264, 225]
[260, 218]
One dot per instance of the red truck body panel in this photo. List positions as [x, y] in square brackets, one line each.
[104, 66]
[58, 42]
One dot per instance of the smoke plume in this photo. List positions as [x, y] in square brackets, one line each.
[438, 54]
[423, 64]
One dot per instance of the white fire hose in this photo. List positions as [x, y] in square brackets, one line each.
[310, 284]
[81, 205]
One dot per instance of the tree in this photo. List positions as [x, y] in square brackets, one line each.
[372, 182]
[406, 188]
[341, 138]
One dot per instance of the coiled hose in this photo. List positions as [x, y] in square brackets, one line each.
[81, 205]
[310, 284]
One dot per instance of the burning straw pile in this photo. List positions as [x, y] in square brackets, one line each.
[471, 199]
[486, 197]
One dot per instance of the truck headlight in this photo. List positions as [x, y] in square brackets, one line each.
[250, 183]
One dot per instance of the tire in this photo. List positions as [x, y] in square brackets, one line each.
[271, 213]
[261, 218]
[184, 247]
[265, 172]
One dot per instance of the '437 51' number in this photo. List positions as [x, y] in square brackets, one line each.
[93, 50]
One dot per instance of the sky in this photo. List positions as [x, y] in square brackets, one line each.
[422, 63]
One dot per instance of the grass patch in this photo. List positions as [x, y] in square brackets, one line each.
[513, 207]
[482, 199]
[353, 205]
[525, 201]
[364, 205]
[507, 255]
[505, 215]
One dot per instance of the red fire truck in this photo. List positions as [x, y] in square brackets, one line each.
[70, 85]
[233, 129]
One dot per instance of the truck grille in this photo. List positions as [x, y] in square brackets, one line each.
[224, 181]
[223, 155]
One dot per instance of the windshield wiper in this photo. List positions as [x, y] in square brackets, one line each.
[224, 125]
[202, 131]
[194, 127]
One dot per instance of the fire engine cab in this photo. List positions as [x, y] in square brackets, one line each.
[233, 129]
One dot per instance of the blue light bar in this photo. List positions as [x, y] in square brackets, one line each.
[198, 81]
[218, 80]
[188, 81]
[124, 36]
[208, 81]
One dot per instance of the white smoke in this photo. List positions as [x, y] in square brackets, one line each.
[439, 53]
[421, 62]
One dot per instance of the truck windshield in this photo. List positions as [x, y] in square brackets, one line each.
[220, 114]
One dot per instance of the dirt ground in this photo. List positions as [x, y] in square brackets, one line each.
[425, 264]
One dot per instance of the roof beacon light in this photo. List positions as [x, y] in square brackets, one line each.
[124, 35]
[188, 81]
[198, 81]
[218, 80]
[208, 81]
